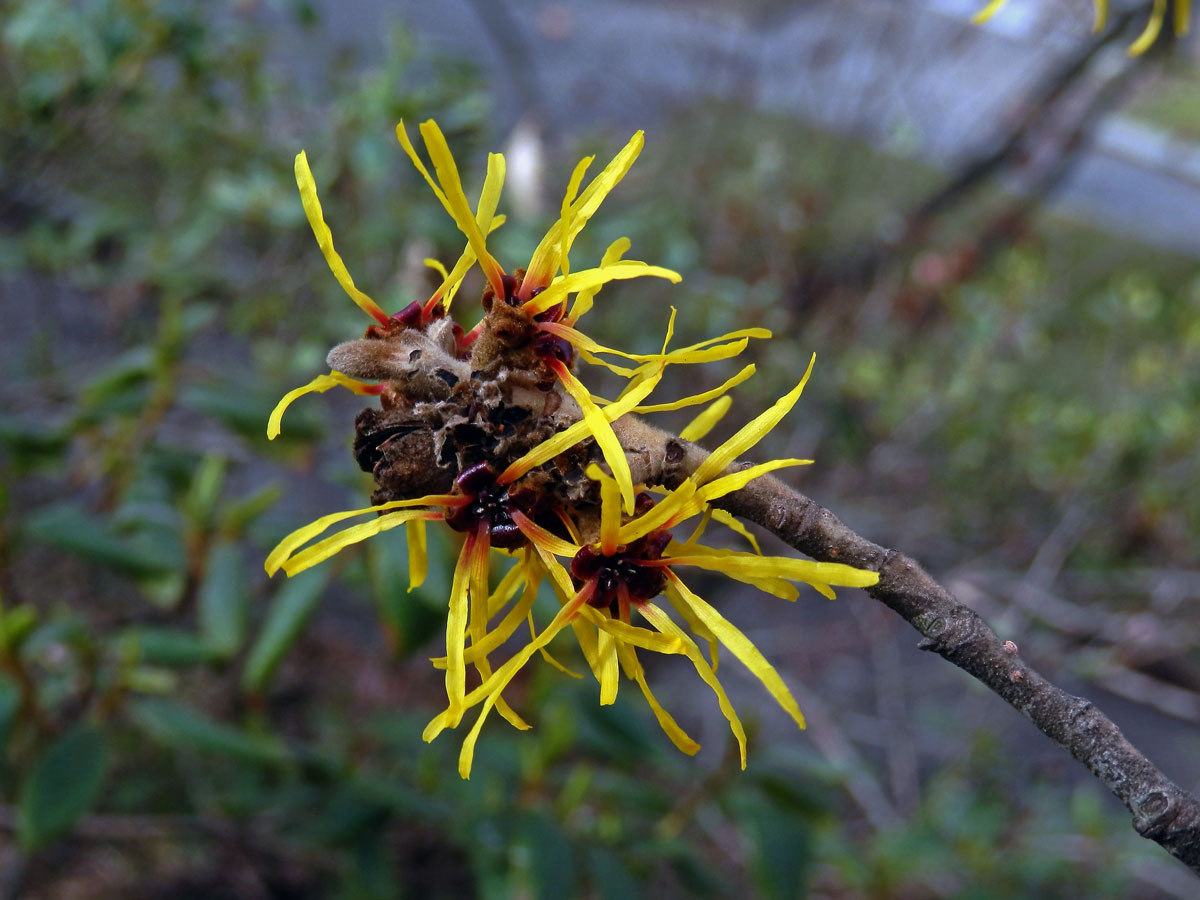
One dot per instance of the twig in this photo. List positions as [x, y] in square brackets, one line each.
[1162, 811]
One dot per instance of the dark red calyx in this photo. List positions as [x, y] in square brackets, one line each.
[553, 314]
[412, 316]
[627, 567]
[492, 505]
[551, 346]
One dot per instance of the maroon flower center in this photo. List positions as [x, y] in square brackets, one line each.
[490, 504]
[629, 570]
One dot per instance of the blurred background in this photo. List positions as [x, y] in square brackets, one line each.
[988, 235]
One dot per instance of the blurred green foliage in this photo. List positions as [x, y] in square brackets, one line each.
[162, 703]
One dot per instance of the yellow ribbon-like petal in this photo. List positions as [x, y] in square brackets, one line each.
[660, 620]
[601, 430]
[318, 385]
[735, 525]
[322, 550]
[680, 504]
[666, 722]
[456, 634]
[987, 12]
[557, 242]
[450, 193]
[707, 420]
[558, 291]
[704, 397]
[727, 484]
[610, 509]
[1157, 13]
[751, 566]
[492, 688]
[316, 220]
[751, 434]
[608, 668]
[569, 437]
[418, 553]
[742, 647]
[302, 536]
[583, 300]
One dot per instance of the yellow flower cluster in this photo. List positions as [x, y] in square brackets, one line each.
[1180, 15]
[549, 486]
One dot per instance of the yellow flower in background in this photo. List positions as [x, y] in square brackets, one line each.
[1181, 20]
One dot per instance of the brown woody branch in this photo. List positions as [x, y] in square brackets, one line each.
[1162, 811]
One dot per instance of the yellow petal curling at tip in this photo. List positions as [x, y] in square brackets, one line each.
[1181, 16]
[322, 550]
[1157, 13]
[302, 536]
[736, 525]
[742, 647]
[707, 420]
[751, 434]
[318, 385]
[634, 635]
[666, 721]
[566, 213]
[489, 692]
[478, 618]
[316, 219]
[749, 567]
[660, 620]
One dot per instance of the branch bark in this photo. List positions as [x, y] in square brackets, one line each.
[1162, 811]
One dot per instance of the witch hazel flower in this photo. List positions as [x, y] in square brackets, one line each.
[492, 433]
[629, 562]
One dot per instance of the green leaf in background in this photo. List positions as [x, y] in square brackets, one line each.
[783, 843]
[16, 624]
[205, 490]
[223, 606]
[170, 647]
[176, 725]
[10, 705]
[613, 881]
[551, 863]
[408, 619]
[31, 441]
[289, 613]
[71, 528]
[65, 781]
[236, 516]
